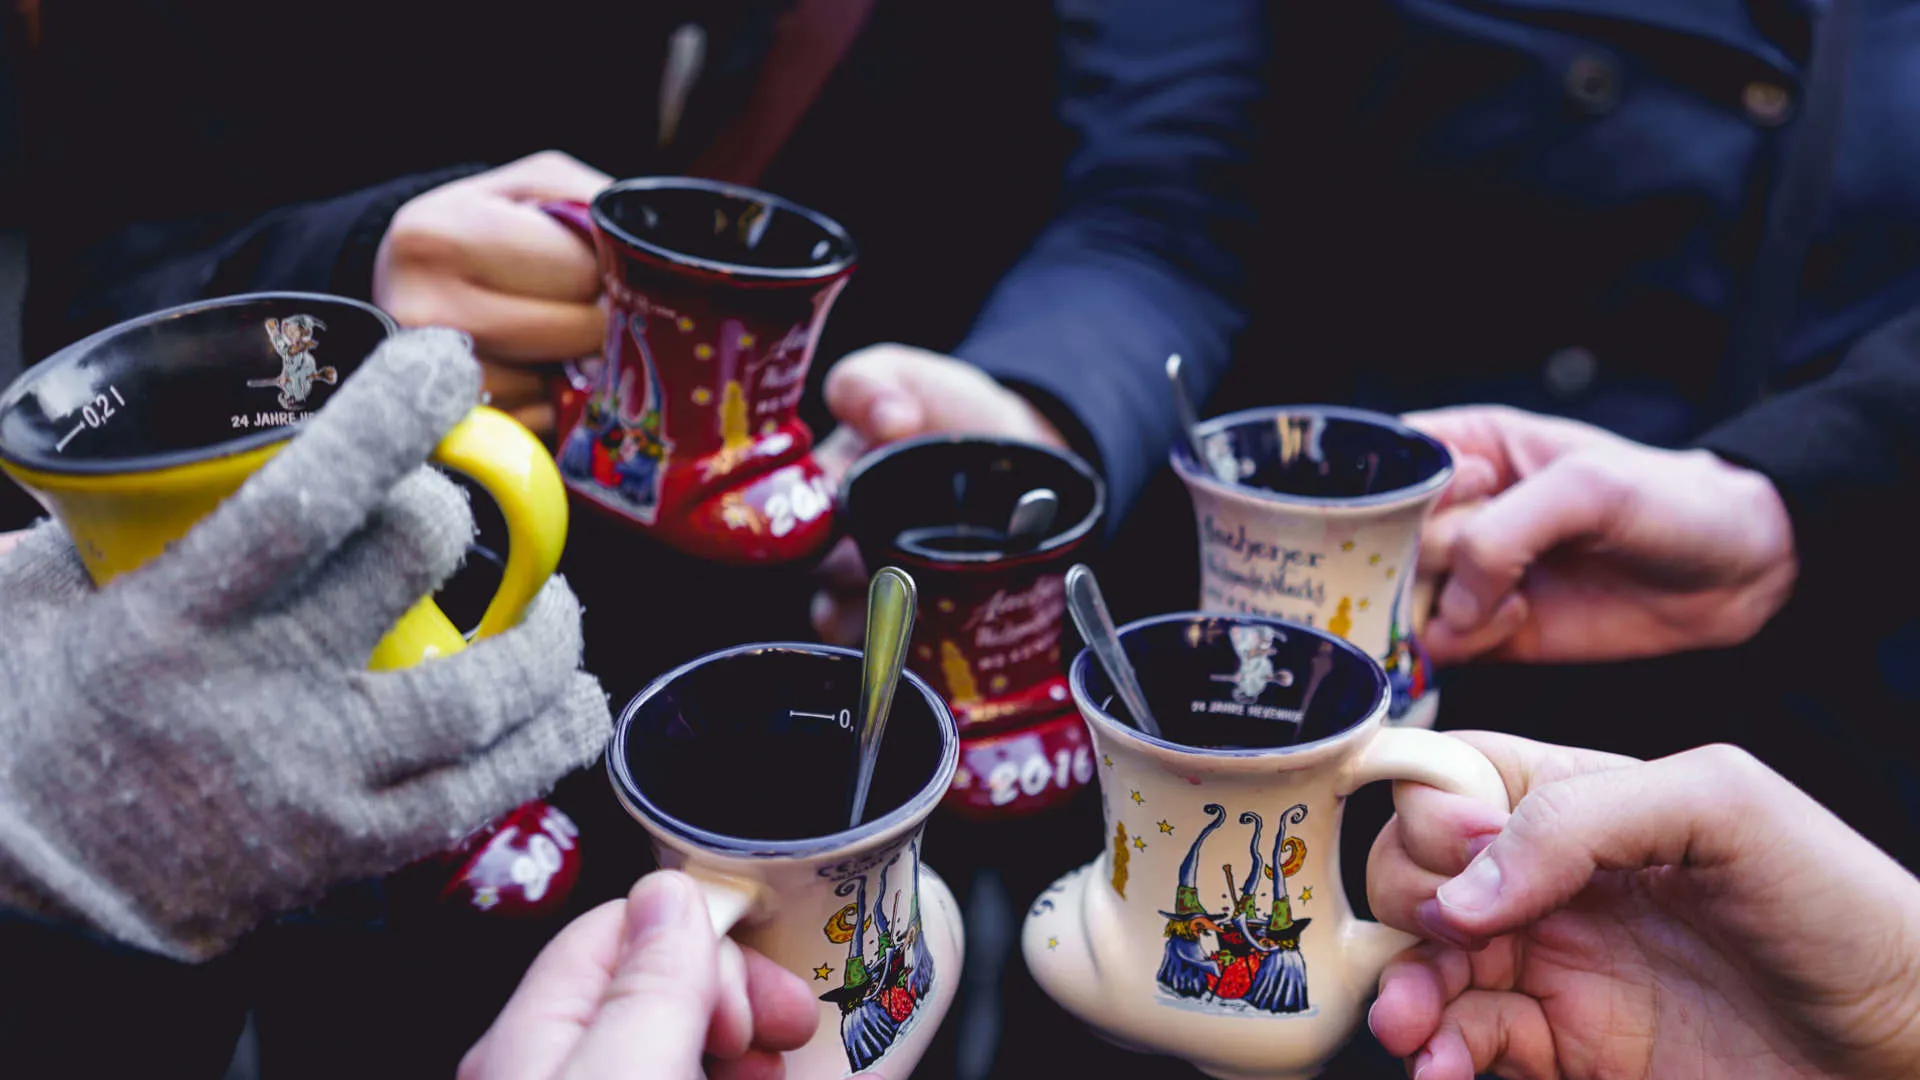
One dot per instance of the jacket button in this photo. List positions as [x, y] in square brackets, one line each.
[1768, 104]
[1593, 84]
[1570, 372]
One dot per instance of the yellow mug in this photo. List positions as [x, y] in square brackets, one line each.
[133, 435]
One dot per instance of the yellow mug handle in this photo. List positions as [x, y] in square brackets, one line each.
[512, 466]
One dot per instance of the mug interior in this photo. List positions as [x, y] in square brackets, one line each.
[723, 227]
[948, 500]
[1238, 683]
[758, 744]
[1318, 453]
[187, 383]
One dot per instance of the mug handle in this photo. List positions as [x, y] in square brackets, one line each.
[728, 898]
[572, 213]
[1422, 757]
[509, 463]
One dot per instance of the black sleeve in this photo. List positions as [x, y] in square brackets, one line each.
[325, 245]
[1144, 257]
[1844, 453]
[74, 1005]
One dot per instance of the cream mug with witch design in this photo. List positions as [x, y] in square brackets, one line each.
[1312, 513]
[739, 765]
[1214, 926]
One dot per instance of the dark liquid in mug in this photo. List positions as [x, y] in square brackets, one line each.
[752, 746]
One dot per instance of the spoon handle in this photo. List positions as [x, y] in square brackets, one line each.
[1089, 610]
[890, 606]
[1183, 406]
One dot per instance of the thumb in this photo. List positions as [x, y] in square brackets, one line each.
[868, 392]
[1489, 549]
[1690, 810]
[654, 1013]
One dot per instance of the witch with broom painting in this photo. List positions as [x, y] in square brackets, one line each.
[1280, 982]
[866, 1027]
[1186, 966]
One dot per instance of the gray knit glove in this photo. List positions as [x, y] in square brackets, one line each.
[199, 745]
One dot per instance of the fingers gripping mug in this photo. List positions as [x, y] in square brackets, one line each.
[1312, 513]
[1214, 926]
[738, 766]
[689, 429]
[133, 435]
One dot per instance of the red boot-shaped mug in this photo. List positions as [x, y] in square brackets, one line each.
[688, 428]
[992, 605]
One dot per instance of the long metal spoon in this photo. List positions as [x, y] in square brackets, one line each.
[1089, 610]
[1183, 405]
[1031, 518]
[890, 605]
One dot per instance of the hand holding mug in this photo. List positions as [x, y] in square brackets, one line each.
[1564, 542]
[479, 255]
[1692, 916]
[641, 987]
[888, 393]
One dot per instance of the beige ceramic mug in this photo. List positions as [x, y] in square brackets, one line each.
[1215, 926]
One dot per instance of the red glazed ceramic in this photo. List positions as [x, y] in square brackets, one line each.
[688, 426]
[522, 866]
[987, 634]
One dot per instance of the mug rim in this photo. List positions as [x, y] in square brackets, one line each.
[1054, 545]
[158, 462]
[1194, 474]
[1084, 661]
[796, 274]
[651, 816]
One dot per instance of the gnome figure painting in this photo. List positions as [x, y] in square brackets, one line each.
[879, 1001]
[1239, 959]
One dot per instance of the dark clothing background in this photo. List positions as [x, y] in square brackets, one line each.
[1552, 203]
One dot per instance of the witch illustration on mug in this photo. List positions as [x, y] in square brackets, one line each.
[878, 1003]
[1254, 962]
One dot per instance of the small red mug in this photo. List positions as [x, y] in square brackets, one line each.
[987, 634]
[687, 427]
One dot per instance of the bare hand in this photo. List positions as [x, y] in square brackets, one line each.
[1590, 547]
[641, 988]
[887, 393]
[1694, 916]
[478, 255]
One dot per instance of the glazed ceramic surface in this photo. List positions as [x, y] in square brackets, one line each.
[739, 767]
[987, 635]
[1312, 514]
[133, 435]
[688, 427]
[1214, 926]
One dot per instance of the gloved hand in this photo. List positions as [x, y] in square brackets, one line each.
[199, 745]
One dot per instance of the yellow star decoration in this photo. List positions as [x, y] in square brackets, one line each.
[822, 972]
[486, 897]
[746, 341]
[945, 605]
[702, 395]
[1166, 828]
[1306, 894]
[1139, 844]
[685, 324]
[1365, 603]
[703, 351]
[1108, 758]
[1053, 943]
[1390, 572]
[1373, 559]
[1348, 546]
[1137, 798]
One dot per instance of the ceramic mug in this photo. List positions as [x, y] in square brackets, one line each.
[1312, 513]
[134, 434]
[688, 427]
[1215, 926]
[739, 766]
[987, 634]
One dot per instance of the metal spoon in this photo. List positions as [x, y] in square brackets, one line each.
[1089, 610]
[1032, 516]
[1182, 404]
[890, 605]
